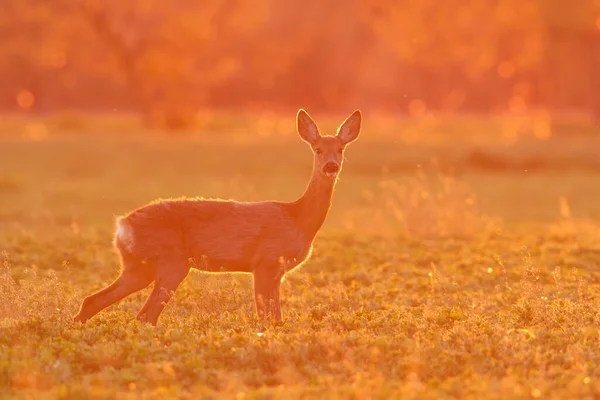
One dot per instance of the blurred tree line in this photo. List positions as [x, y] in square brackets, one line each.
[167, 59]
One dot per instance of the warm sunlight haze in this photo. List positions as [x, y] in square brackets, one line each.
[260, 199]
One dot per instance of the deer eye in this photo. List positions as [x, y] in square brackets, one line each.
[318, 151]
[341, 150]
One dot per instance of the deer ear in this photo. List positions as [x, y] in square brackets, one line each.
[350, 128]
[307, 129]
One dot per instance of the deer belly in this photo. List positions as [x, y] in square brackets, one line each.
[212, 264]
[236, 259]
[294, 259]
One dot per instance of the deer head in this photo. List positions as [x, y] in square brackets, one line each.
[328, 150]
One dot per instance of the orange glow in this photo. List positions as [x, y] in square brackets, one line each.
[522, 89]
[267, 55]
[171, 215]
[35, 132]
[506, 70]
[454, 100]
[58, 60]
[417, 108]
[517, 104]
[25, 99]
[564, 207]
[542, 128]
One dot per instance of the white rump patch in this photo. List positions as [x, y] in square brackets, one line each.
[124, 235]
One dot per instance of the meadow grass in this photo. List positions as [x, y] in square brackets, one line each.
[422, 285]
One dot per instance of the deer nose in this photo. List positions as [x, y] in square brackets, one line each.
[331, 168]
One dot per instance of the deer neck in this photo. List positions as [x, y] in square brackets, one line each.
[312, 208]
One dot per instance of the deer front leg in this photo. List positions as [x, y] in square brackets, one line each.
[266, 294]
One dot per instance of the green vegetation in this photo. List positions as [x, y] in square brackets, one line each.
[485, 285]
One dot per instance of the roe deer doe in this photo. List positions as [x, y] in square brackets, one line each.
[161, 241]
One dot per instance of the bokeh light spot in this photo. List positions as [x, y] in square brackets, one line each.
[542, 128]
[35, 131]
[25, 99]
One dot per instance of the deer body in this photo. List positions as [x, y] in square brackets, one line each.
[161, 241]
[216, 236]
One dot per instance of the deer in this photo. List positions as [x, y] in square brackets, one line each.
[163, 240]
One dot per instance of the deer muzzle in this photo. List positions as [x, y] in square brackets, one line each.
[331, 169]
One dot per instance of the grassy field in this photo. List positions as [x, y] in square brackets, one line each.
[480, 284]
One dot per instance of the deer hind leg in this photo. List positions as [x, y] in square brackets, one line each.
[164, 288]
[131, 280]
[266, 294]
